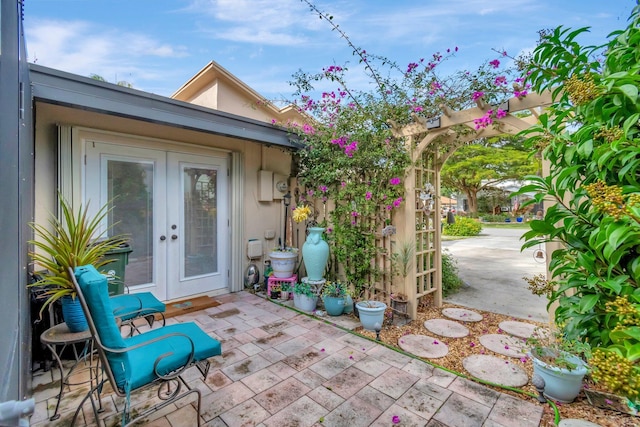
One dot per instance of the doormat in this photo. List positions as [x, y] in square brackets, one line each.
[189, 305]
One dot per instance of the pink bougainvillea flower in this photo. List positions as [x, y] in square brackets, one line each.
[395, 419]
[523, 359]
[323, 188]
[472, 344]
[506, 347]
[477, 95]
[394, 181]
[310, 193]
[322, 350]
[412, 66]
[368, 195]
[397, 202]
[495, 63]
[308, 129]
[351, 357]
[500, 114]
[435, 342]
[500, 80]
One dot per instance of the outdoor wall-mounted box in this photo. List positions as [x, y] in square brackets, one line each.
[265, 186]
[254, 249]
[280, 186]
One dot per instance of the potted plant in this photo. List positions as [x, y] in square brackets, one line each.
[333, 296]
[558, 361]
[305, 296]
[283, 261]
[401, 262]
[71, 240]
[371, 314]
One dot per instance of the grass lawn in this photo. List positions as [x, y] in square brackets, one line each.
[505, 225]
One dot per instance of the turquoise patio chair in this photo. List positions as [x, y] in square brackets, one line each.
[128, 308]
[156, 357]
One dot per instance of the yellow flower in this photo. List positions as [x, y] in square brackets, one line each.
[301, 213]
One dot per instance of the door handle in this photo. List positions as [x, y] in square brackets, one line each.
[174, 237]
[163, 238]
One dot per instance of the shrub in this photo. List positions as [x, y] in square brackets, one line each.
[463, 227]
[590, 137]
[494, 218]
[451, 282]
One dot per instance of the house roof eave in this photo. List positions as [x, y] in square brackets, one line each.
[66, 89]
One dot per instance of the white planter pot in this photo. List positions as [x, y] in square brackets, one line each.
[560, 384]
[371, 314]
[305, 303]
[283, 263]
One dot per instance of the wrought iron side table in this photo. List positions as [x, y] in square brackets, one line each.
[57, 338]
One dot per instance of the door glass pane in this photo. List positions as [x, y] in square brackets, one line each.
[200, 221]
[130, 189]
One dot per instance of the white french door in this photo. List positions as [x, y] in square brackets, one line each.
[174, 207]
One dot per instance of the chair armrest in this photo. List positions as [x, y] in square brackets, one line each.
[132, 310]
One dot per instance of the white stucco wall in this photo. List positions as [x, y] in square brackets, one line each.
[258, 217]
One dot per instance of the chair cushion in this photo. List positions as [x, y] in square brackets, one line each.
[142, 359]
[94, 288]
[129, 306]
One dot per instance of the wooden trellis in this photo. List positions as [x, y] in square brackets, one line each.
[430, 143]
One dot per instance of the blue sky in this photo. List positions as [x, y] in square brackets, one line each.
[157, 45]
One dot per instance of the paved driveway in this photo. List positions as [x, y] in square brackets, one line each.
[492, 267]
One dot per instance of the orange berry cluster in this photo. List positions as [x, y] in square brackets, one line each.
[581, 89]
[610, 134]
[607, 199]
[616, 373]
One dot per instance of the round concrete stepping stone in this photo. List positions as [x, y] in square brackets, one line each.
[446, 328]
[462, 314]
[518, 329]
[496, 370]
[504, 344]
[423, 346]
[574, 422]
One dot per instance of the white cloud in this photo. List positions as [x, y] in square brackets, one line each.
[270, 22]
[85, 48]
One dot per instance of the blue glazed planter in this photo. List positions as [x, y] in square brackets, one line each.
[348, 305]
[334, 305]
[73, 315]
[315, 254]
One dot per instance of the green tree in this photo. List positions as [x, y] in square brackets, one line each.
[480, 166]
[99, 78]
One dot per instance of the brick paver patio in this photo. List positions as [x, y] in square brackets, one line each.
[282, 368]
